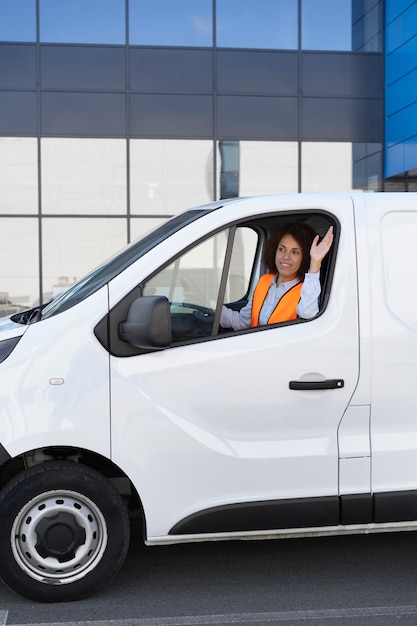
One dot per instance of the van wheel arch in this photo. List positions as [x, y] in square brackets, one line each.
[85, 457]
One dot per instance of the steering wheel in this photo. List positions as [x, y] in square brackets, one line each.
[189, 321]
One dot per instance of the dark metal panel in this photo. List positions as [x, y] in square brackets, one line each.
[255, 72]
[171, 70]
[171, 116]
[263, 515]
[342, 119]
[395, 506]
[18, 113]
[82, 67]
[4, 455]
[83, 114]
[356, 508]
[17, 66]
[350, 75]
[251, 117]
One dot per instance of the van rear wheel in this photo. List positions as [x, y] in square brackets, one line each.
[65, 532]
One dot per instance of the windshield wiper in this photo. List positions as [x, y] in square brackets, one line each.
[29, 317]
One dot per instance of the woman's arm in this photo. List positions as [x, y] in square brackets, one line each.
[238, 320]
[308, 306]
[319, 250]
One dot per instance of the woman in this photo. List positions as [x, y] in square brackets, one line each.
[291, 288]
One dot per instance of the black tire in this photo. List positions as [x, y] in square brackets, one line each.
[64, 532]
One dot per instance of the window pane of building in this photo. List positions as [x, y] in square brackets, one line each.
[17, 20]
[19, 276]
[169, 175]
[83, 176]
[257, 24]
[326, 166]
[73, 247]
[248, 168]
[89, 21]
[367, 26]
[326, 25]
[18, 175]
[168, 23]
[367, 166]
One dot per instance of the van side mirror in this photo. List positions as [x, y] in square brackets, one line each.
[148, 324]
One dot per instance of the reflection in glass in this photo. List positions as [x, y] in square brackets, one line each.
[326, 25]
[263, 167]
[257, 24]
[412, 180]
[89, 21]
[326, 166]
[191, 284]
[367, 166]
[19, 280]
[229, 169]
[395, 184]
[83, 176]
[168, 23]
[74, 246]
[241, 264]
[18, 20]
[195, 276]
[192, 281]
[367, 27]
[18, 175]
[170, 175]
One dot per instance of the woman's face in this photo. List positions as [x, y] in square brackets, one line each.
[288, 258]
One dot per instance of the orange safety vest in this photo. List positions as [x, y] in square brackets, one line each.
[286, 308]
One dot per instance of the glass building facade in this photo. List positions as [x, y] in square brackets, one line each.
[401, 95]
[117, 114]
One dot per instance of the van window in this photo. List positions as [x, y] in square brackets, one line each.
[192, 281]
[218, 271]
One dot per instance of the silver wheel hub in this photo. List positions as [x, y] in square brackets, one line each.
[59, 536]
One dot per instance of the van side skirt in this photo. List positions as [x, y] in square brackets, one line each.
[302, 513]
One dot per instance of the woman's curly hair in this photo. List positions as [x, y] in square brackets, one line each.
[302, 233]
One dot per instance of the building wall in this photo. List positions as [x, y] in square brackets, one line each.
[401, 87]
[107, 134]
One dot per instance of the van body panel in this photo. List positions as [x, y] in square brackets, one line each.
[391, 230]
[10, 329]
[244, 436]
[54, 386]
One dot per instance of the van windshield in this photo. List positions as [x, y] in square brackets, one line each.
[116, 264]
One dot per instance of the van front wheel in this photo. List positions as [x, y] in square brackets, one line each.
[65, 532]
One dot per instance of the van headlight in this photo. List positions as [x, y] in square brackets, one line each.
[7, 346]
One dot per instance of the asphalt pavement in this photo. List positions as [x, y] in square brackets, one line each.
[354, 580]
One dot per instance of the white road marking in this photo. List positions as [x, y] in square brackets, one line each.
[238, 618]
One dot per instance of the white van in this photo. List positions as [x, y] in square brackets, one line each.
[125, 394]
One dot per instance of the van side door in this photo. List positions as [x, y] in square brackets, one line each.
[237, 431]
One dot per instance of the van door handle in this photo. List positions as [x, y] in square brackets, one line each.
[305, 385]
